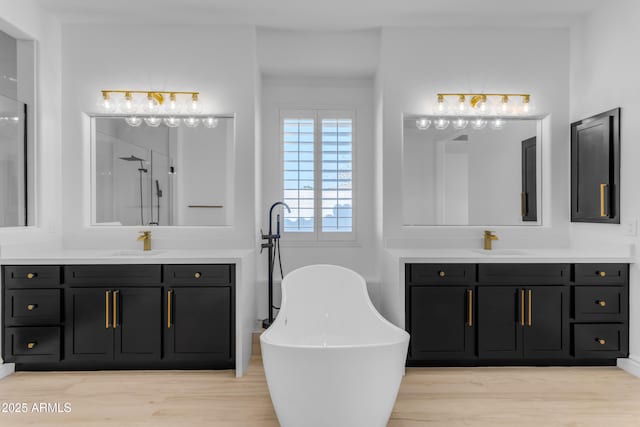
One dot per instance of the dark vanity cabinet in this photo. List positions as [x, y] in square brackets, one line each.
[529, 194]
[441, 318]
[516, 314]
[119, 316]
[197, 296]
[595, 168]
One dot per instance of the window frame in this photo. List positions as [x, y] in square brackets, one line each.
[318, 114]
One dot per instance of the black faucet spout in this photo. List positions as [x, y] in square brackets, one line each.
[271, 214]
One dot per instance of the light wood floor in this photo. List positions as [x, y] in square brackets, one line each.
[492, 397]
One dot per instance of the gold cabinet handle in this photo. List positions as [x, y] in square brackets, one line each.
[601, 303]
[522, 307]
[106, 309]
[32, 307]
[603, 212]
[601, 341]
[601, 273]
[470, 291]
[530, 315]
[31, 275]
[115, 309]
[31, 345]
[197, 275]
[168, 309]
[441, 273]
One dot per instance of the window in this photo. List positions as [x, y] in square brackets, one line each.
[317, 160]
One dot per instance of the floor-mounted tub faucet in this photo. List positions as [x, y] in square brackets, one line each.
[273, 246]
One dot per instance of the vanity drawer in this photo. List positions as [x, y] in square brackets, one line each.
[29, 344]
[31, 276]
[601, 273]
[599, 341]
[529, 274]
[600, 303]
[32, 307]
[210, 274]
[112, 275]
[440, 274]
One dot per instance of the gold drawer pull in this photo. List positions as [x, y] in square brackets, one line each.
[522, 307]
[470, 291]
[601, 273]
[31, 345]
[31, 275]
[169, 293]
[601, 341]
[197, 275]
[32, 307]
[601, 303]
[441, 273]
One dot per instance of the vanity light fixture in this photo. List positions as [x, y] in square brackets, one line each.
[9, 120]
[152, 108]
[478, 124]
[479, 103]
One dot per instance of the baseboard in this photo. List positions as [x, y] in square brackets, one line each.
[630, 365]
[7, 369]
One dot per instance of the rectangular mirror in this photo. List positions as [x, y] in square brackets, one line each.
[13, 163]
[162, 176]
[488, 176]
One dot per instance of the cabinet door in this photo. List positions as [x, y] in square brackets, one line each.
[441, 322]
[500, 322]
[199, 324]
[529, 196]
[595, 168]
[546, 331]
[138, 323]
[88, 331]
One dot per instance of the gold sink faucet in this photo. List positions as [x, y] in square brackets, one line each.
[145, 236]
[489, 237]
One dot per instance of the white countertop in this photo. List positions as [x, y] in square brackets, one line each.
[623, 254]
[125, 256]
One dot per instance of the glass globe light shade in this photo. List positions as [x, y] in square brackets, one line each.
[128, 104]
[133, 121]
[193, 105]
[153, 122]
[173, 106]
[423, 123]
[478, 124]
[442, 106]
[106, 103]
[441, 124]
[460, 123]
[210, 122]
[151, 105]
[191, 122]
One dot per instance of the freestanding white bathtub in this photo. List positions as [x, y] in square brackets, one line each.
[330, 358]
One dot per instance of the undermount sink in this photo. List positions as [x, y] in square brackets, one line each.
[139, 252]
[501, 252]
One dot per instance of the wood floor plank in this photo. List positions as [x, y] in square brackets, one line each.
[492, 397]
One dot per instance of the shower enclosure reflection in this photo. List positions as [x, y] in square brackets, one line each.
[166, 176]
[13, 163]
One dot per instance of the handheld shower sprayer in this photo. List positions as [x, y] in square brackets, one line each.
[273, 246]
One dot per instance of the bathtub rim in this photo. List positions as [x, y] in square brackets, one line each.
[403, 336]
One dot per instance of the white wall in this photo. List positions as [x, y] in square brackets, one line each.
[217, 61]
[328, 93]
[604, 75]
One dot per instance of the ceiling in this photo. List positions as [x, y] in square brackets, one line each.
[328, 14]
